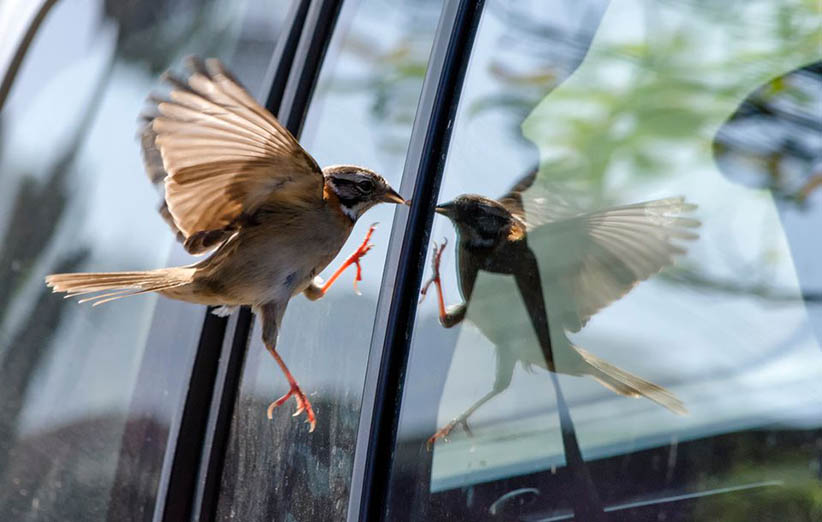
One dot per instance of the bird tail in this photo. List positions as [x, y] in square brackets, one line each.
[109, 286]
[624, 383]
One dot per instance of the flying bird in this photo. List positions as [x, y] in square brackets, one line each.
[238, 183]
[567, 265]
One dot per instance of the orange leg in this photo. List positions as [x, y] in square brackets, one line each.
[443, 433]
[353, 259]
[449, 320]
[435, 278]
[303, 404]
[462, 420]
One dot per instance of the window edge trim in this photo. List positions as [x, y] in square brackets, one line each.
[292, 76]
[396, 306]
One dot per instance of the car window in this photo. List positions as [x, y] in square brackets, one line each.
[75, 198]
[650, 241]
[361, 113]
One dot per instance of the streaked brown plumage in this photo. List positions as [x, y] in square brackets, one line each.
[237, 181]
[567, 266]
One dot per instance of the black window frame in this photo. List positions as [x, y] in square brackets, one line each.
[224, 342]
[190, 481]
[407, 248]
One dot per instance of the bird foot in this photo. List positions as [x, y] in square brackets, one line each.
[363, 249]
[303, 405]
[443, 433]
[353, 259]
[223, 311]
[435, 268]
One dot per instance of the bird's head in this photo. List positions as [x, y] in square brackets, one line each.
[359, 189]
[479, 220]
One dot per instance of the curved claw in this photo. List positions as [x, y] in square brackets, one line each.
[363, 249]
[303, 405]
[445, 430]
[435, 268]
[353, 259]
[466, 427]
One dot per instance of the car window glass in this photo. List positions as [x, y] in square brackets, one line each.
[666, 155]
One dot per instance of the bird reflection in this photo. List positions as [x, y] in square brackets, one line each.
[580, 261]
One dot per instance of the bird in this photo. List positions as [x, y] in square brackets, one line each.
[238, 185]
[587, 261]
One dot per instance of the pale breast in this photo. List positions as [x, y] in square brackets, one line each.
[276, 259]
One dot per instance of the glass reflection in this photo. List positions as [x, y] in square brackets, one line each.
[583, 263]
[630, 102]
[75, 198]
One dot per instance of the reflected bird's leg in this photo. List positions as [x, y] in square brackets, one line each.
[272, 314]
[462, 420]
[505, 372]
[314, 291]
[448, 318]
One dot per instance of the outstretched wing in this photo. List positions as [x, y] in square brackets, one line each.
[536, 205]
[513, 199]
[591, 260]
[156, 172]
[222, 156]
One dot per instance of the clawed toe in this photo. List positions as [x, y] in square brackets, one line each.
[353, 259]
[359, 253]
[466, 427]
[435, 268]
[443, 433]
[303, 406]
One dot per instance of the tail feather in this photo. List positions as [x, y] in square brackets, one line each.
[624, 383]
[116, 285]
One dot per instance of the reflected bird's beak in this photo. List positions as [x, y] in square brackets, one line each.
[391, 196]
[446, 209]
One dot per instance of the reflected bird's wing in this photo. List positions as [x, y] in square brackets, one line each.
[593, 259]
[536, 205]
[222, 156]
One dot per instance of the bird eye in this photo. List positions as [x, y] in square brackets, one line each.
[366, 185]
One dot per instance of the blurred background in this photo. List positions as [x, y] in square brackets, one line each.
[75, 198]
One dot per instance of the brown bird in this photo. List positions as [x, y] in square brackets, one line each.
[585, 262]
[237, 181]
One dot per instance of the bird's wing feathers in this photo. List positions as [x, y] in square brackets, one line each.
[536, 205]
[513, 199]
[156, 172]
[591, 260]
[223, 155]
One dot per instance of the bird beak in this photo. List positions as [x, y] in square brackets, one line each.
[391, 196]
[446, 209]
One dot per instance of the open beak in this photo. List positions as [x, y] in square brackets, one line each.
[391, 196]
[446, 209]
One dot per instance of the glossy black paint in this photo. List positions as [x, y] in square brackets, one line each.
[319, 26]
[398, 301]
[152, 434]
[182, 445]
[223, 393]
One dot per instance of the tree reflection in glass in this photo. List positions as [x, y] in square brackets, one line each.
[627, 102]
